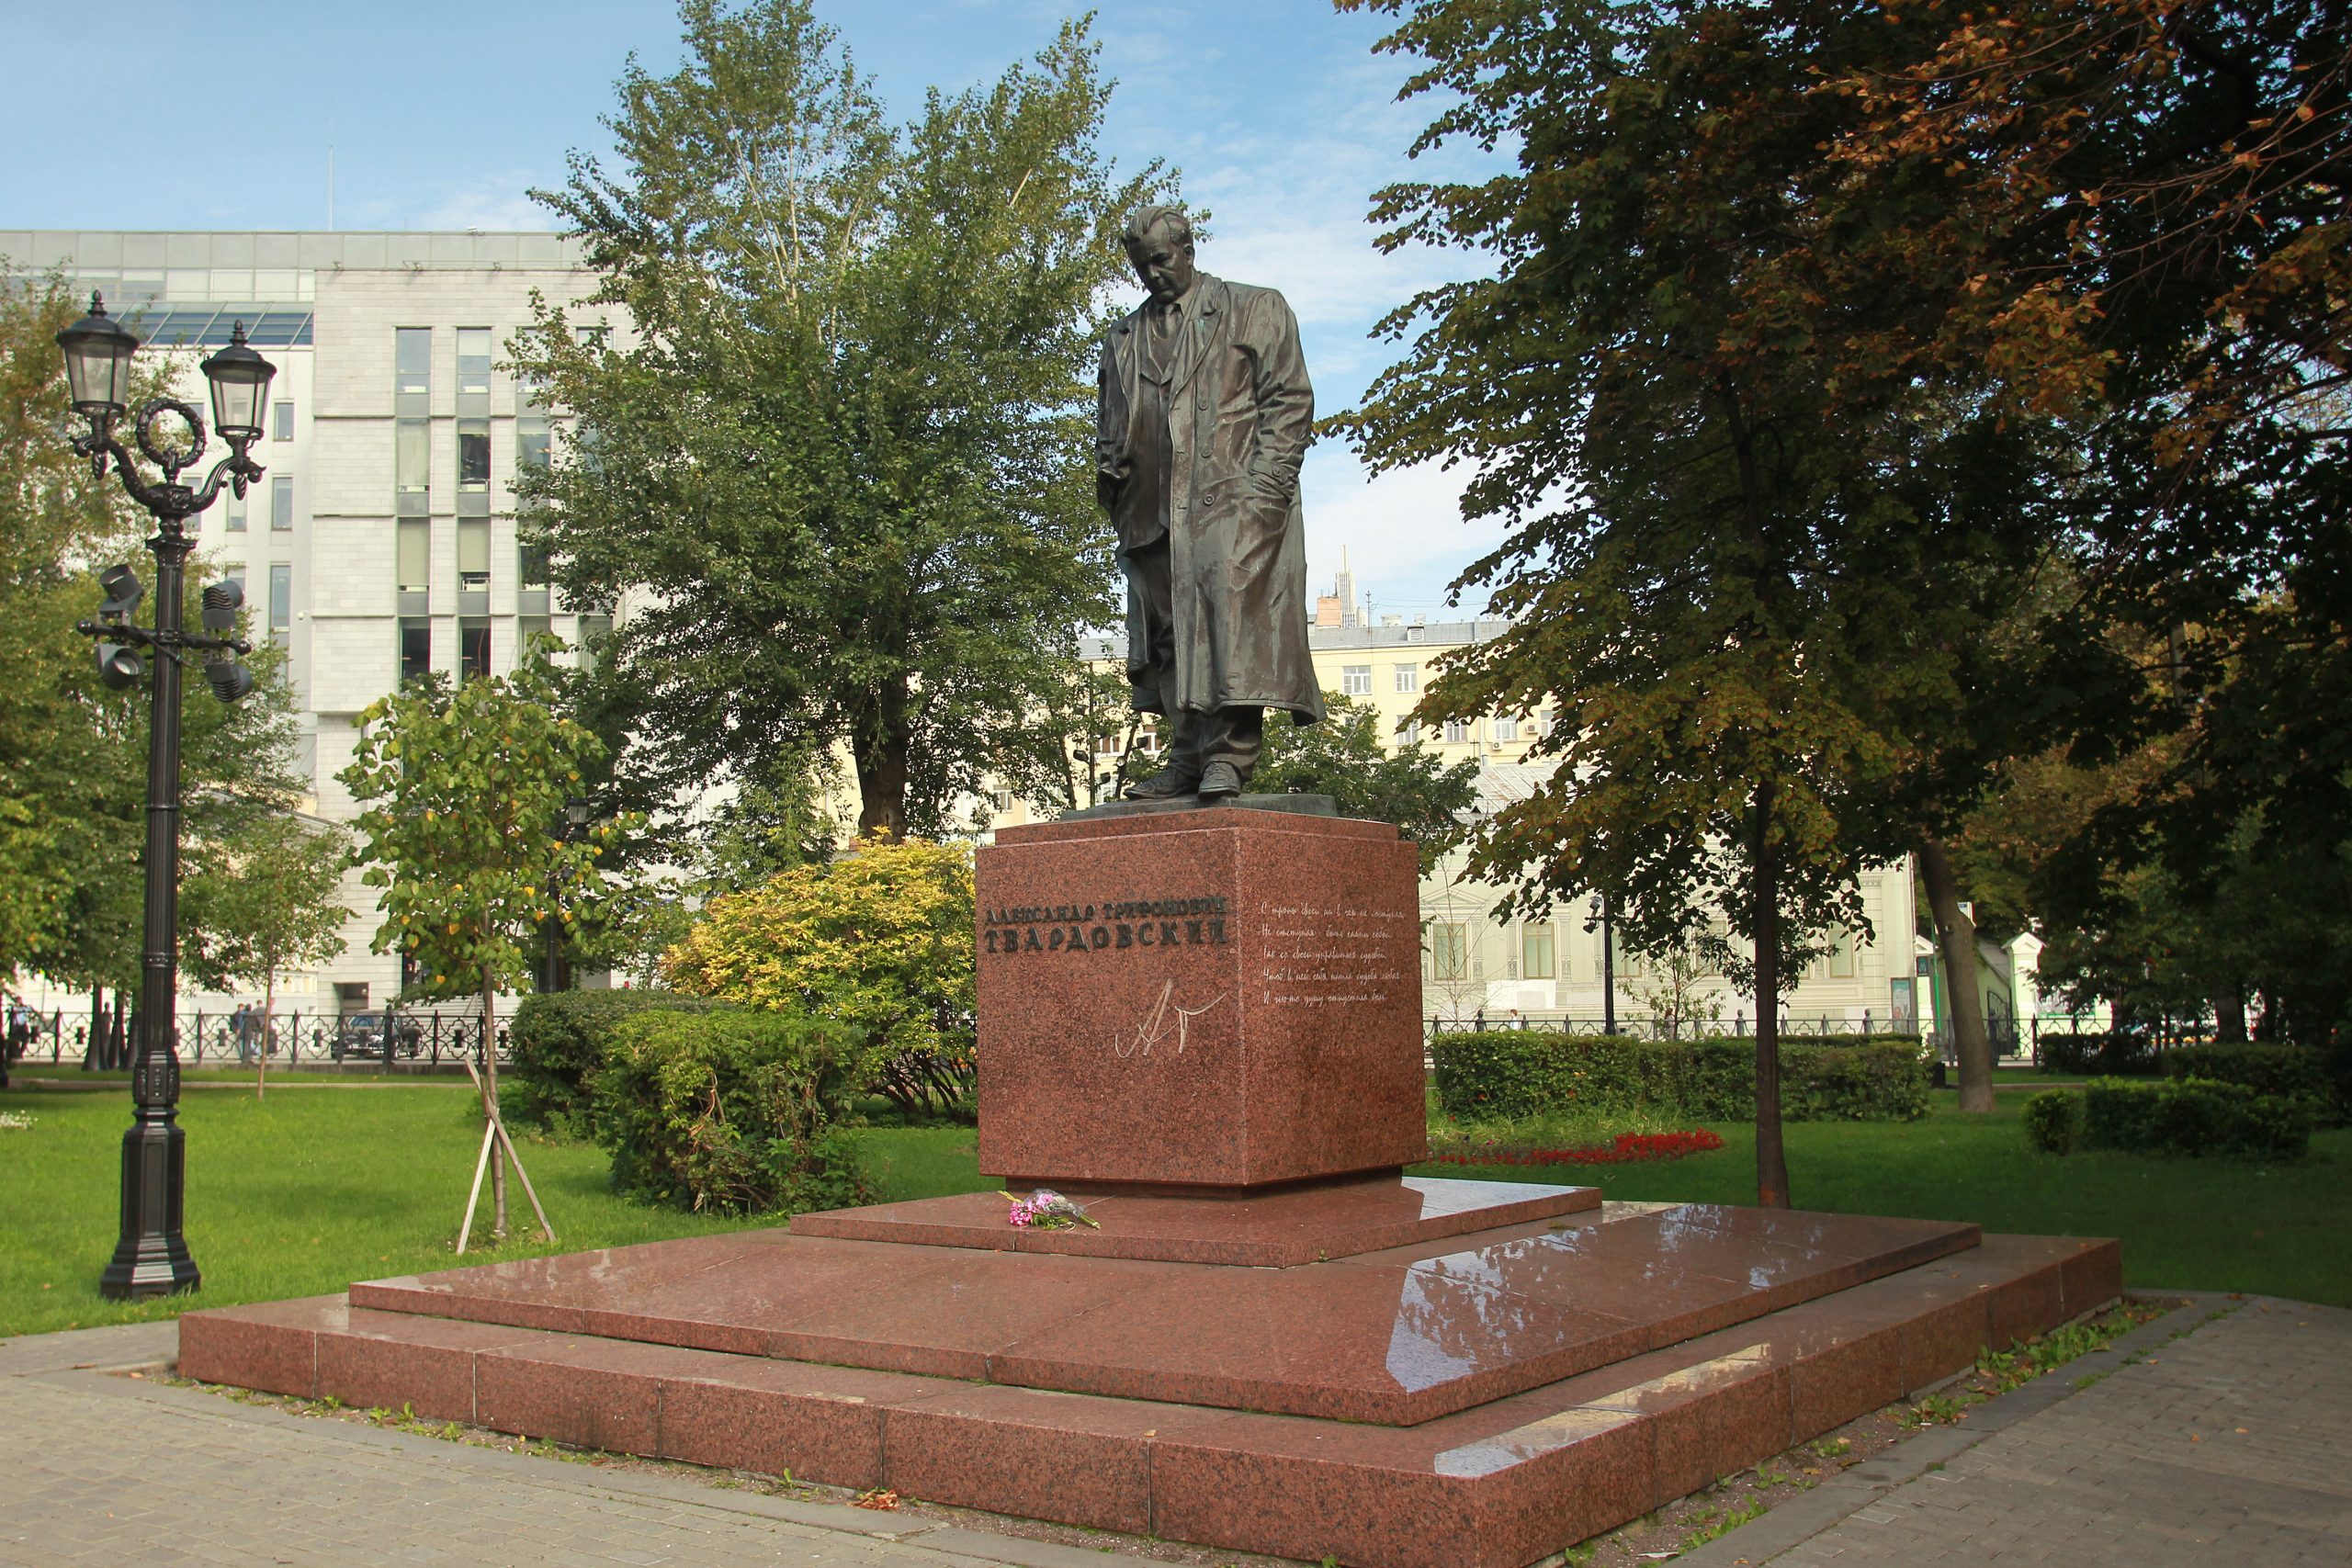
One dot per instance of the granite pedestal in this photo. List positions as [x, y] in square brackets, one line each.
[1205, 1023]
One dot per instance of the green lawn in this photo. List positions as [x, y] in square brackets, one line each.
[303, 1192]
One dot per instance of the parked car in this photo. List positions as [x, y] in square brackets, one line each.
[361, 1034]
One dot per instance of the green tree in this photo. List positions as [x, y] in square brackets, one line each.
[879, 942]
[267, 896]
[464, 793]
[843, 462]
[1346, 758]
[1747, 564]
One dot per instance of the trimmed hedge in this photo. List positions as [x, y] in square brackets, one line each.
[2053, 1121]
[730, 1111]
[2097, 1052]
[2297, 1072]
[2193, 1116]
[557, 1039]
[1501, 1074]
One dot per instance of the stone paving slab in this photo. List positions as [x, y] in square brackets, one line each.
[103, 1468]
[2229, 1444]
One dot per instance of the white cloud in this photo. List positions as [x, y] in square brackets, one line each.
[1402, 532]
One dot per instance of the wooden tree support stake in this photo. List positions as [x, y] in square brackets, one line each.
[482, 1164]
[498, 1126]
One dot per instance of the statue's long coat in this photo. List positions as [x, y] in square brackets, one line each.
[1240, 416]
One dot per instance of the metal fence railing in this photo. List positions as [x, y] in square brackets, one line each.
[1645, 1026]
[364, 1041]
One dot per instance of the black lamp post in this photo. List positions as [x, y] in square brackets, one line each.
[151, 1258]
[574, 827]
[1608, 919]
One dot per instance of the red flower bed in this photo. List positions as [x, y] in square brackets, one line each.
[1624, 1149]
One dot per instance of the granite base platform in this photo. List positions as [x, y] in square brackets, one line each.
[1275, 1229]
[1464, 1402]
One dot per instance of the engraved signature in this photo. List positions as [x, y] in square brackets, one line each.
[1166, 1015]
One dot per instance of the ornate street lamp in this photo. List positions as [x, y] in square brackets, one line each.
[1605, 916]
[151, 1258]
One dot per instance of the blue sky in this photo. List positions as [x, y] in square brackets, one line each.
[443, 115]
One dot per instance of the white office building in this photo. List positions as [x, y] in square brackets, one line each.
[381, 543]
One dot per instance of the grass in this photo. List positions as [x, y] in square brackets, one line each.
[302, 1194]
[2204, 1223]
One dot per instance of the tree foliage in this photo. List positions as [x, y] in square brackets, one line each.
[1750, 560]
[840, 472]
[1345, 758]
[463, 793]
[878, 942]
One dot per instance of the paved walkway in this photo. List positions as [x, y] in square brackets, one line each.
[2230, 1445]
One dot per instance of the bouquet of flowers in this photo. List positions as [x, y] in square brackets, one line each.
[1047, 1209]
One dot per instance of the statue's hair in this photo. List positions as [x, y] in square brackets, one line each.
[1150, 216]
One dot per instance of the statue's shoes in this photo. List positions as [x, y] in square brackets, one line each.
[1219, 778]
[1166, 784]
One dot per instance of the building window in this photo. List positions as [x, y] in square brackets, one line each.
[530, 566]
[1457, 730]
[1841, 956]
[281, 422]
[1355, 680]
[411, 433]
[529, 630]
[1448, 950]
[473, 458]
[473, 368]
[473, 647]
[415, 555]
[236, 516]
[593, 632]
[1409, 732]
[1537, 956]
[474, 555]
[281, 504]
[531, 427]
[1506, 728]
[1544, 722]
[416, 648]
[281, 602]
[1408, 677]
[592, 339]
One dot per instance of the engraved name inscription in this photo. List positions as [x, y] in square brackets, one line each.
[1317, 955]
[1107, 927]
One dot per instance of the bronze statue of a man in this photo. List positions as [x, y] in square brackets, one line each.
[1204, 419]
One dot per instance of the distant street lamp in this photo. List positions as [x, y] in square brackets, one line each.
[1607, 917]
[152, 1258]
[574, 828]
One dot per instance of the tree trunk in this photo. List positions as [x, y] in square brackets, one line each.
[1956, 935]
[489, 1103]
[878, 742]
[1771, 1160]
[2229, 1018]
[94, 1056]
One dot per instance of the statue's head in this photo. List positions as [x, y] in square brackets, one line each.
[1159, 247]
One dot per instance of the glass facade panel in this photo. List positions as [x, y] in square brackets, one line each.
[473, 649]
[415, 553]
[413, 466]
[473, 368]
[473, 553]
[473, 456]
[415, 647]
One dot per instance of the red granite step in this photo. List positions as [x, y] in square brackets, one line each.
[1397, 1336]
[1269, 1230]
[1494, 1486]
